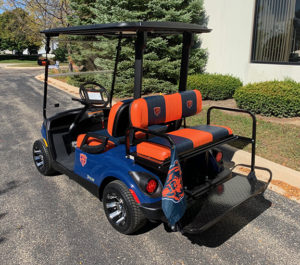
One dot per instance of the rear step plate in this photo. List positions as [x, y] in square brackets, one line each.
[205, 212]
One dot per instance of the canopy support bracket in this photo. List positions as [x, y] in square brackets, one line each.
[186, 45]
[140, 45]
[47, 48]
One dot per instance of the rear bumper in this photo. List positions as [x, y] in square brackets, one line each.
[205, 211]
[153, 211]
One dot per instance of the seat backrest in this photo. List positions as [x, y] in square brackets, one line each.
[118, 118]
[166, 108]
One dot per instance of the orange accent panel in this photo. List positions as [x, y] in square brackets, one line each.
[134, 196]
[94, 142]
[227, 128]
[197, 137]
[156, 151]
[139, 113]
[173, 107]
[111, 117]
[80, 139]
[199, 100]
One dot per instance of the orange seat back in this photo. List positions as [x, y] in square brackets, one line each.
[163, 109]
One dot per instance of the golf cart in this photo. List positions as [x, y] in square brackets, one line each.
[123, 152]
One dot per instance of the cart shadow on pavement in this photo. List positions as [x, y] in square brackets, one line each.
[146, 228]
[232, 223]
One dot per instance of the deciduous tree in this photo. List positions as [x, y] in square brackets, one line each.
[18, 32]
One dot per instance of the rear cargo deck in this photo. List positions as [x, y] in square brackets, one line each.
[205, 212]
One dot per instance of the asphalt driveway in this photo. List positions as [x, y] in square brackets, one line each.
[53, 220]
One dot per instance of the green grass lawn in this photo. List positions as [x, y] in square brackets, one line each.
[277, 142]
[25, 63]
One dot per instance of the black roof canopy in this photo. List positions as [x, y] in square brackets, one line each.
[128, 28]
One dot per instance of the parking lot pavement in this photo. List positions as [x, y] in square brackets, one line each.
[53, 220]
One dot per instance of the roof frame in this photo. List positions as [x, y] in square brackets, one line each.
[114, 29]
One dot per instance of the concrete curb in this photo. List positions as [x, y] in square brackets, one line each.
[72, 90]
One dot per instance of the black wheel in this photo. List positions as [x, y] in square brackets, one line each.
[120, 208]
[41, 158]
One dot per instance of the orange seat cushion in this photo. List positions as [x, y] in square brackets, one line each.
[162, 152]
[185, 139]
[197, 137]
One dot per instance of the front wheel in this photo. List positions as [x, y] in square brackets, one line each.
[42, 159]
[120, 208]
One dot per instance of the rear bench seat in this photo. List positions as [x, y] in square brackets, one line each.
[145, 112]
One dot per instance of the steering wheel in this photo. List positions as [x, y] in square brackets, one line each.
[93, 94]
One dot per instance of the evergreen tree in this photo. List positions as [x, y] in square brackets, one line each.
[162, 54]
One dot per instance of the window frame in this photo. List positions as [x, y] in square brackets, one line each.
[254, 38]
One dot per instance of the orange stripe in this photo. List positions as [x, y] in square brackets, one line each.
[161, 153]
[79, 139]
[197, 137]
[153, 150]
[112, 115]
[225, 127]
[199, 100]
[173, 107]
[139, 113]
[134, 196]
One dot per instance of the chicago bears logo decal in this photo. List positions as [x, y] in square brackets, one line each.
[189, 103]
[173, 190]
[83, 159]
[156, 111]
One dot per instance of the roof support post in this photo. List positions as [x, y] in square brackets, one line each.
[140, 45]
[186, 45]
[115, 69]
[47, 48]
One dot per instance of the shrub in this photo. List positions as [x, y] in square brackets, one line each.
[214, 86]
[60, 54]
[272, 98]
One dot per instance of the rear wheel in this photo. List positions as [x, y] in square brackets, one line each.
[42, 159]
[121, 209]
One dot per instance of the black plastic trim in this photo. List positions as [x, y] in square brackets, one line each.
[153, 211]
[91, 187]
[142, 179]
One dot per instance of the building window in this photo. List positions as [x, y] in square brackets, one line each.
[277, 32]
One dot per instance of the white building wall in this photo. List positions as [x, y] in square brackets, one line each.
[230, 43]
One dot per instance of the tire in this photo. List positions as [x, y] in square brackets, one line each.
[42, 158]
[121, 209]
